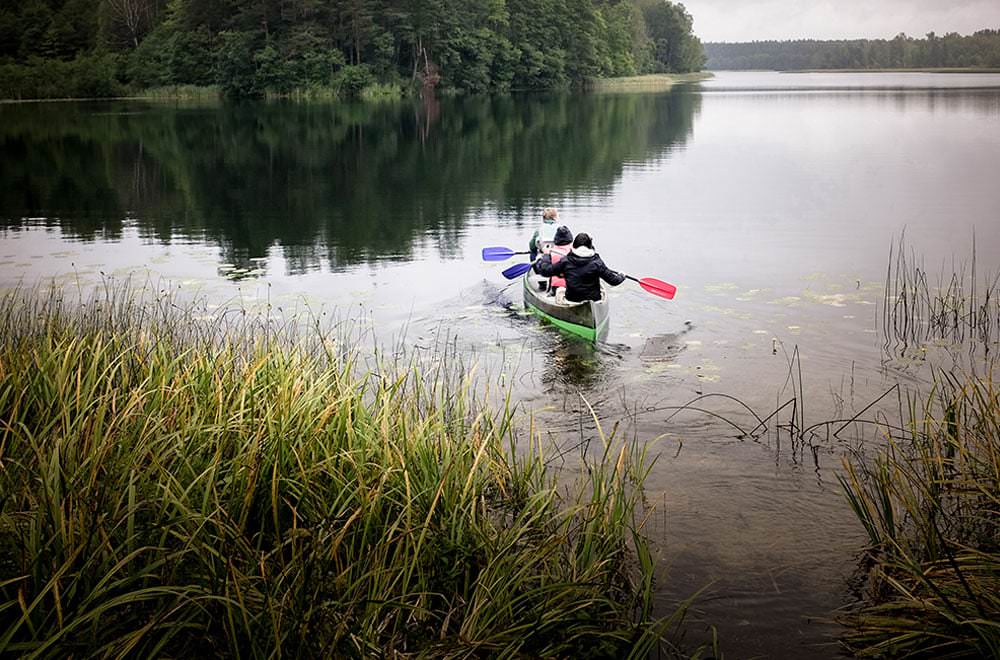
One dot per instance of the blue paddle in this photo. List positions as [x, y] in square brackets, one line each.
[516, 271]
[499, 253]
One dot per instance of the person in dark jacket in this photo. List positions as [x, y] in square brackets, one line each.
[583, 269]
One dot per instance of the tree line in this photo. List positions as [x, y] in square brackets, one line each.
[76, 48]
[978, 50]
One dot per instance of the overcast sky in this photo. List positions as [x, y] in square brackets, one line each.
[746, 20]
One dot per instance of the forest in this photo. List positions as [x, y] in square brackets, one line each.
[980, 50]
[340, 48]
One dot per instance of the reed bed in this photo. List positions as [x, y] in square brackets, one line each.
[957, 309]
[177, 485]
[930, 503]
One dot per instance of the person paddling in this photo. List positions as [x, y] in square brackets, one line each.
[583, 270]
[544, 233]
[559, 249]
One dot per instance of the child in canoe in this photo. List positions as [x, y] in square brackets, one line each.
[583, 270]
[544, 233]
[552, 253]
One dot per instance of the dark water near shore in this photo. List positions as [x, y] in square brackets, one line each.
[770, 200]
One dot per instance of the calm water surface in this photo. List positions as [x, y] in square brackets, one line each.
[770, 200]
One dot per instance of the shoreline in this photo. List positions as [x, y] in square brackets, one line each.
[209, 93]
[646, 82]
[917, 70]
[904, 70]
[651, 81]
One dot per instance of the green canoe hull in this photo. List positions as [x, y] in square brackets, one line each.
[588, 320]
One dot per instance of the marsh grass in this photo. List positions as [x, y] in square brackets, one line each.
[182, 93]
[959, 309]
[930, 503]
[379, 92]
[375, 92]
[645, 83]
[172, 484]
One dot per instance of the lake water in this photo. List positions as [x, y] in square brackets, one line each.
[770, 200]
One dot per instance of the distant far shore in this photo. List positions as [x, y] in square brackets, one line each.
[884, 70]
[951, 53]
[900, 70]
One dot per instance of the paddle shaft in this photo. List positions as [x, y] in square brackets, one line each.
[649, 284]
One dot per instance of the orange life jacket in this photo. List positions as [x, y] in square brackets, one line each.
[557, 252]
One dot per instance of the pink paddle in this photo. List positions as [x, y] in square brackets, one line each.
[656, 287]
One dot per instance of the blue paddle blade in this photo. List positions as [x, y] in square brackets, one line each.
[497, 253]
[517, 270]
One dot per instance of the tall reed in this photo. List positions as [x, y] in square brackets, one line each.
[930, 503]
[959, 308]
[168, 488]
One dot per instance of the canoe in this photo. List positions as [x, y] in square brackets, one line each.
[585, 319]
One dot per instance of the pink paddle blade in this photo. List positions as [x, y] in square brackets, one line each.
[658, 287]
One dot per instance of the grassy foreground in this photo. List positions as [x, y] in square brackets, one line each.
[168, 488]
[930, 502]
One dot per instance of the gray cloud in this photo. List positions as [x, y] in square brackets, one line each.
[746, 20]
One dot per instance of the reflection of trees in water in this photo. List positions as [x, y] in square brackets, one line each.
[341, 183]
[41, 172]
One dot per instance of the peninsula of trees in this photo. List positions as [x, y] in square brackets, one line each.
[88, 48]
[980, 50]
